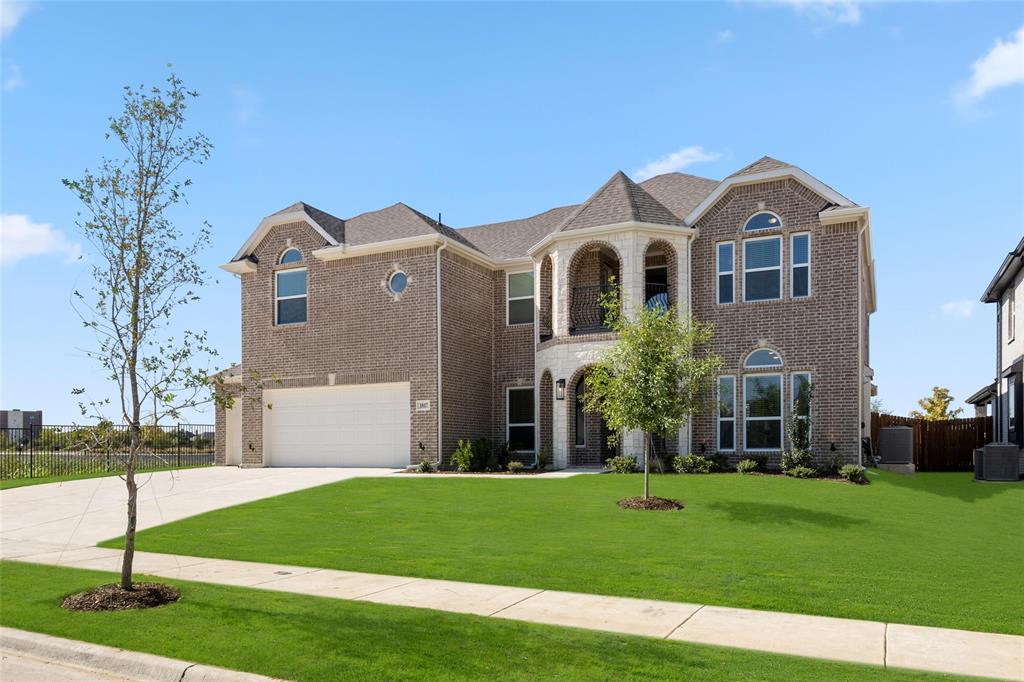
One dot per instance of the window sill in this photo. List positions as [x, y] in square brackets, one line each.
[291, 325]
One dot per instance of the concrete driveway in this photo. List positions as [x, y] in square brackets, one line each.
[75, 514]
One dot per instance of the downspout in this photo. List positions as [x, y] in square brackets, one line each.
[437, 289]
[861, 313]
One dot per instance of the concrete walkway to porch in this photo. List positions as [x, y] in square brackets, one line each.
[60, 524]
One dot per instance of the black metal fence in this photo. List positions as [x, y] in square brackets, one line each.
[585, 312]
[41, 451]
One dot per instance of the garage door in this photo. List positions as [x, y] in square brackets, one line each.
[337, 426]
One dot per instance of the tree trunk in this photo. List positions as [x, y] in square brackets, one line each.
[133, 494]
[647, 465]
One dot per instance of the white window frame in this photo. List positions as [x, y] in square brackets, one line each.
[719, 274]
[509, 425]
[280, 259]
[792, 400]
[780, 419]
[720, 418]
[509, 299]
[1011, 315]
[278, 273]
[762, 229]
[778, 267]
[793, 265]
[747, 365]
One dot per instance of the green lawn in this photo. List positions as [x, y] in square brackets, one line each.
[6, 483]
[904, 549]
[311, 638]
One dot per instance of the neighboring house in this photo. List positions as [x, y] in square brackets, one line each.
[1007, 291]
[383, 339]
[20, 419]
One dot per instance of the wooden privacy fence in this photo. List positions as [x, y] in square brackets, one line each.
[939, 445]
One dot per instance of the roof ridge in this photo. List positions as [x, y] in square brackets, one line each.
[634, 210]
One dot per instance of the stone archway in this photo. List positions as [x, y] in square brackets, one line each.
[593, 268]
[661, 273]
[586, 433]
[546, 416]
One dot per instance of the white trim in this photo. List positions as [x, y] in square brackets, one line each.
[850, 214]
[718, 416]
[651, 229]
[440, 366]
[719, 274]
[782, 409]
[777, 237]
[509, 299]
[782, 362]
[509, 425]
[760, 229]
[287, 250]
[793, 265]
[339, 251]
[765, 176]
[240, 267]
[278, 299]
[272, 221]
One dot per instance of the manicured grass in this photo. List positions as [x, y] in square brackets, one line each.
[311, 638]
[903, 549]
[22, 482]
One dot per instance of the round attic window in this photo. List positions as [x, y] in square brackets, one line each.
[398, 282]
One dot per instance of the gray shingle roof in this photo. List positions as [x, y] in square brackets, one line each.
[679, 192]
[765, 163]
[396, 222]
[620, 200]
[334, 226]
[512, 238]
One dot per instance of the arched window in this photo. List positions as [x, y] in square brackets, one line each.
[290, 256]
[762, 358]
[765, 220]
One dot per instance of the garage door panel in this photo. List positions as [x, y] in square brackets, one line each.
[365, 425]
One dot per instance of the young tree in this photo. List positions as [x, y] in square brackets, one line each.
[144, 269]
[658, 373]
[936, 406]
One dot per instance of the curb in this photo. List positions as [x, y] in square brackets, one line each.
[118, 662]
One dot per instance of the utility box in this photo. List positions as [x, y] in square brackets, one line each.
[896, 445]
[997, 462]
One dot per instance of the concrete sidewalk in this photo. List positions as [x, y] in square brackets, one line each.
[857, 641]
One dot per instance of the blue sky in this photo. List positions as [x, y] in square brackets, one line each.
[487, 112]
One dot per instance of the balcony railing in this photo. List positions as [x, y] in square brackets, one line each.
[586, 316]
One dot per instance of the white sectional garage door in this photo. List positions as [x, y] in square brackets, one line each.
[337, 426]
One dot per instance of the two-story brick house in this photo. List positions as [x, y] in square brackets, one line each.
[383, 339]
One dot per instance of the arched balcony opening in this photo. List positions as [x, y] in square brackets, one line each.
[660, 275]
[545, 330]
[595, 268]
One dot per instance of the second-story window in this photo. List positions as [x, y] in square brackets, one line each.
[762, 269]
[290, 290]
[726, 272]
[800, 283]
[520, 298]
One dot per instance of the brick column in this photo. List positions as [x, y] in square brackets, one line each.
[252, 426]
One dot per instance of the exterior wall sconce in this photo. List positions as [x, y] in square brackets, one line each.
[832, 447]
[560, 389]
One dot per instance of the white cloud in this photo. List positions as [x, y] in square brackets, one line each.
[11, 14]
[20, 238]
[245, 105]
[1001, 66]
[13, 79]
[958, 310]
[826, 11]
[724, 36]
[676, 161]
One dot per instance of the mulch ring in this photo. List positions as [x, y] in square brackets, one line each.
[113, 598]
[655, 503]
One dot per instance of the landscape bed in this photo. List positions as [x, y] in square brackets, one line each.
[900, 550]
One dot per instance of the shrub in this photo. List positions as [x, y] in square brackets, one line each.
[797, 458]
[748, 466]
[854, 473]
[543, 459]
[425, 467]
[515, 466]
[692, 464]
[462, 458]
[621, 464]
[719, 461]
[830, 469]
[801, 472]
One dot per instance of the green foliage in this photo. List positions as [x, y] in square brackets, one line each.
[936, 406]
[719, 461]
[515, 467]
[692, 464]
[621, 464]
[658, 373]
[543, 459]
[425, 467]
[748, 466]
[797, 458]
[854, 473]
[462, 458]
[802, 472]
